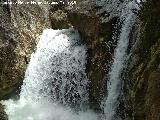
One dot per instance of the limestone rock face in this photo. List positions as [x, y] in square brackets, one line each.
[58, 17]
[29, 22]
[143, 81]
[7, 54]
[20, 27]
[58, 13]
[7, 45]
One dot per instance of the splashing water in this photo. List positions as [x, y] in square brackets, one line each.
[57, 69]
[120, 56]
[54, 79]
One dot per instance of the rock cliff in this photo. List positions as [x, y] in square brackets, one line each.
[20, 26]
[143, 71]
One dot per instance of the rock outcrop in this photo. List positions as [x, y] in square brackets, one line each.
[143, 72]
[96, 34]
[7, 45]
[20, 25]
[58, 16]
[7, 55]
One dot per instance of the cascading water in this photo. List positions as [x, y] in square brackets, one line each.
[120, 56]
[54, 79]
[57, 69]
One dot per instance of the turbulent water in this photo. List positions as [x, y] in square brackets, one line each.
[114, 86]
[55, 85]
[54, 79]
[57, 69]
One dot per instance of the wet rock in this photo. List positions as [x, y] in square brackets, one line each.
[96, 34]
[58, 14]
[7, 54]
[20, 27]
[143, 78]
[3, 115]
[58, 17]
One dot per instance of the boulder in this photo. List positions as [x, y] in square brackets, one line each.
[85, 17]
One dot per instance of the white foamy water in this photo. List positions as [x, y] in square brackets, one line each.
[43, 110]
[120, 56]
[57, 69]
[55, 80]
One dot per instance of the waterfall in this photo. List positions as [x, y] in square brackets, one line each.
[114, 86]
[56, 85]
[57, 69]
[55, 80]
